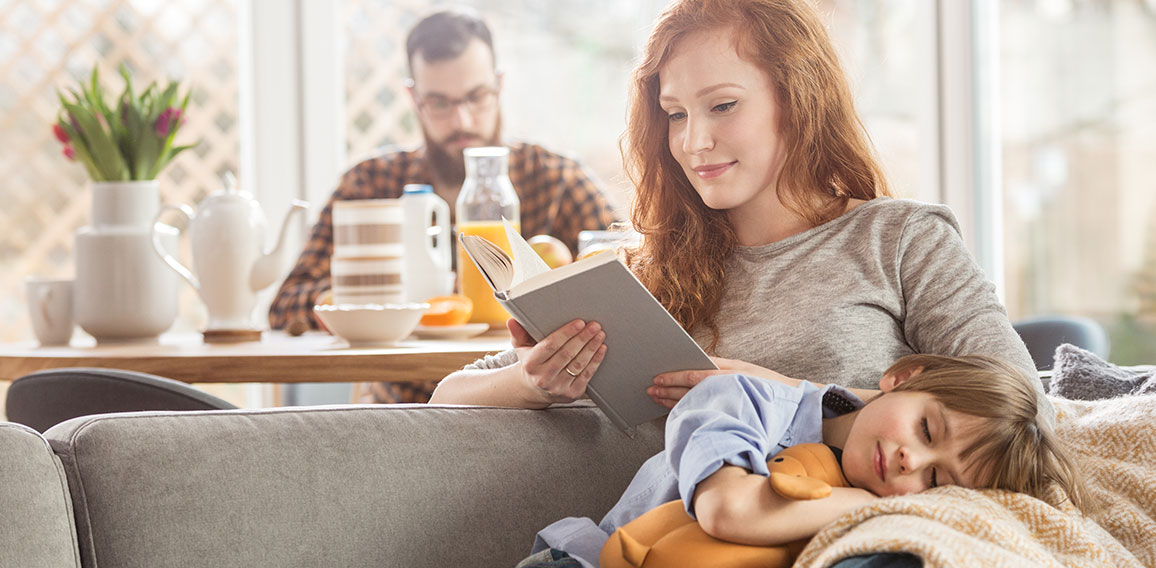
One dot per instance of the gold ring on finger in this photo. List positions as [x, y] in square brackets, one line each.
[571, 373]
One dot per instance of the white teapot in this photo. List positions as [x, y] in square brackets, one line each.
[227, 236]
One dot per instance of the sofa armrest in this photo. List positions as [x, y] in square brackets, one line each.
[374, 485]
[37, 529]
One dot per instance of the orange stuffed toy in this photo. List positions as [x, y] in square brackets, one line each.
[667, 537]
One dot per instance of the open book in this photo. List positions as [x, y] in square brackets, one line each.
[642, 339]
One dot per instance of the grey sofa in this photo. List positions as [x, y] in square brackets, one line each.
[349, 486]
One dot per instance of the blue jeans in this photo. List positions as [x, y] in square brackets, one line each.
[552, 558]
[881, 560]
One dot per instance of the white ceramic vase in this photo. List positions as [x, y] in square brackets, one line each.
[123, 291]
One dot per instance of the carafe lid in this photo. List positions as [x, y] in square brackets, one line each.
[486, 152]
[413, 188]
[486, 161]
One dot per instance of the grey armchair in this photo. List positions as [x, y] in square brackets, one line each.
[46, 398]
[1042, 335]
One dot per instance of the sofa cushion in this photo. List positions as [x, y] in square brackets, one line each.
[372, 485]
[37, 529]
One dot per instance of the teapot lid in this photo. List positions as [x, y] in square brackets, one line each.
[230, 182]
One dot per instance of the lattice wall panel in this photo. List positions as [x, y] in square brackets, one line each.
[377, 108]
[51, 44]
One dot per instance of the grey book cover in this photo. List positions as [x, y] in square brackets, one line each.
[642, 338]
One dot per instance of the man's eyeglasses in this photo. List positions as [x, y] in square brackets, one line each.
[477, 100]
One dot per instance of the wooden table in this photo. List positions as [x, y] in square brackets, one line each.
[277, 358]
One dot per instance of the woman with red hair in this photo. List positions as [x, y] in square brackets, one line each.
[768, 230]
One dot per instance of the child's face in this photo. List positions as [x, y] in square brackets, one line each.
[907, 442]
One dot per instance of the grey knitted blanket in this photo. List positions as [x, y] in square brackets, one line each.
[1081, 375]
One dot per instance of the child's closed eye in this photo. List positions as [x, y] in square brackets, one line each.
[927, 434]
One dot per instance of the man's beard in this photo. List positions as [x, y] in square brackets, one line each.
[450, 167]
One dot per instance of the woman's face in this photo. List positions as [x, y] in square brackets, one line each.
[723, 121]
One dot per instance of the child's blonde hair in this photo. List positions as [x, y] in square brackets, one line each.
[1015, 450]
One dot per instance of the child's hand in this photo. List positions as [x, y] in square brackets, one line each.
[558, 368]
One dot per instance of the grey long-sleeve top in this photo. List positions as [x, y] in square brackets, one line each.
[839, 303]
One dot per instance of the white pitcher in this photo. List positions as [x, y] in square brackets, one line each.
[227, 237]
[426, 234]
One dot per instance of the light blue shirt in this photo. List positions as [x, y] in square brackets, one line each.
[725, 420]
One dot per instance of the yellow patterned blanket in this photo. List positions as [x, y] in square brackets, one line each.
[1114, 441]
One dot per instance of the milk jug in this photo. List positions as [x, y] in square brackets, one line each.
[427, 239]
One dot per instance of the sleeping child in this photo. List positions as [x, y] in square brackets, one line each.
[969, 421]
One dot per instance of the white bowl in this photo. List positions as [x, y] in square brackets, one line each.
[364, 325]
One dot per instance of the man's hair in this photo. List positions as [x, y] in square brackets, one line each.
[1013, 449]
[828, 159]
[445, 35]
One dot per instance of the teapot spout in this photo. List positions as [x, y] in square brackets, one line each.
[269, 264]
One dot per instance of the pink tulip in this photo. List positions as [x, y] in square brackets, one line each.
[69, 153]
[168, 121]
[60, 134]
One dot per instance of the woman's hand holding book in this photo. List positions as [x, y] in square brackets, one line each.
[558, 368]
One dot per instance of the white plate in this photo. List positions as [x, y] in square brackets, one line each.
[451, 331]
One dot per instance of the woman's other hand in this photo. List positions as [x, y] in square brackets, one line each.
[670, 387]
[558, 368]
[752, 370]
[735, 366]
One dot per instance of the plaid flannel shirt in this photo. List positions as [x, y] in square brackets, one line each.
[558, 197]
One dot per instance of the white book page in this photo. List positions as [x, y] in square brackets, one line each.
[561, 273]
[526, 261]
[492, 262]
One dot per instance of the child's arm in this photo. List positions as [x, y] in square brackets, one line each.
[735, 505]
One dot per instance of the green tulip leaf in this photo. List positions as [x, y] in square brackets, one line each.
[121, 142]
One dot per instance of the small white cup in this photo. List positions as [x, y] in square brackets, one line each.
[50, 309]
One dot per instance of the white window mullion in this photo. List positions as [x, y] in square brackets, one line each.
[271, 128]
[323, 99]
[292, 120]
[292, 127]
[930, 175]
[988, 143]
[969, 126]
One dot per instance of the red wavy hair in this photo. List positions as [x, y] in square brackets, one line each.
[828, 160]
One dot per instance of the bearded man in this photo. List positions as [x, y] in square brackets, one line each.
[455, 86]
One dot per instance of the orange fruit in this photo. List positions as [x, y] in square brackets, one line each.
[448, 310]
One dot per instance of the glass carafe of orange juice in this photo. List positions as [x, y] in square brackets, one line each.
[486, 198]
